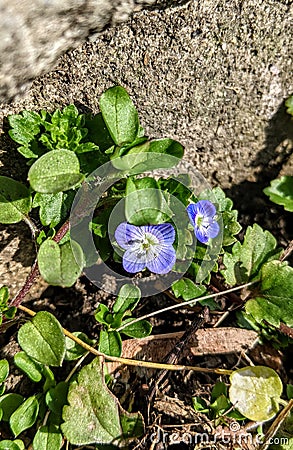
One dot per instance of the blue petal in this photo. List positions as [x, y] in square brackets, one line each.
[192, 212]
[206, 208]
[213, 229]
[120, 235]
[164, 232]
[164, 261]
[132, 267]
[126, 234]
[134, 259]
[201, 234]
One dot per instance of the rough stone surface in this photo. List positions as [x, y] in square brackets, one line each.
[213, 75]
[34, 33]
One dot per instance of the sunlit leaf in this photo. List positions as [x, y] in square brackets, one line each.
[42, 339]
[58, 264]
[56, 171]
[90, 399]
[246, 259]
[274, 301]
[281, 192]
[255, 392]
[120, 115]
[25, 415]
[48, 438]
[15, 200]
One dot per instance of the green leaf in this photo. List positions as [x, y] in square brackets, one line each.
[25, 416]
[143, 201]
[20, 444]
[128, 297]
[218, 390]
[218, 197]
[200, 405]
[120, 115]
[54, 208]
[98, 132]
[9, 403]
[179, 188]
[132, 425]
[110, 343]
[281, 192]
[274, 302]
[150, 155]
[30, 367]
[103, 315]
[48, 438]
[42, 339]
[25, 128]
[10, 312]
[289, 391]
[9, 445]
[231, 227]
[137, 330]
[167, 147]
[55, 171]
[4, 297]
[15, 200]
[220, 405]
[4, 370]
[56, 398]
[187, 289]
[90, 399]
[74, 350]
[65, 130]
[246, 259]
[58, 264]
[289, 105]
[255, 392]
[49, 377]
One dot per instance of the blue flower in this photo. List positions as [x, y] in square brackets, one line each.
[202, 216]
[147, 246]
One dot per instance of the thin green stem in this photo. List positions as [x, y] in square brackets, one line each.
[180, 305]
[134, 362]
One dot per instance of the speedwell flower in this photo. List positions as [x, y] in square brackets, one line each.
[202, 216]
[147, 246]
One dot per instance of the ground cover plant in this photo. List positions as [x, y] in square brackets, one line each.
[104, 202]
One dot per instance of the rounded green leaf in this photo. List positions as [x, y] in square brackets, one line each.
[48, 438]
[120, 115]
[42, 339]
[9, 403]
[25, 416]
[56, 171]
[128, 297]
[19, 443]
[28, 366]
[15, 200]
[98, 410]
[4, 370]
[255, 392]
[9, 445]
[56, 397]
[57, 263]
[137, 330]
[110, 343]
[143, 202]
